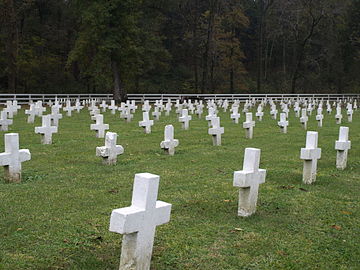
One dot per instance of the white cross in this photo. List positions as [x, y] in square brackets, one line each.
[235, 114]
[127, 114]
[15, 107]
[138, 222]
[39, 109]
[156, 113]
[46, 130]
[259, 114]
[249, 125]
[283, 123]
[304, 118]
[338, 115]
[342, 146]
[146, 107]
[9, 109]
[310, 154]
[99, 126]
[112, 107]
[31, 112]
[248, 180]
[146, 123]
[103, 106]
[68, 108]
[274, 112]
[111, 150]
[216, 131]
[4, 122]
[55, 116]
[12, 158]
[169, 143]
[349, 112]
[78, 106]
[168, 106]
[319, 117]
[211, 115]
[184, 119]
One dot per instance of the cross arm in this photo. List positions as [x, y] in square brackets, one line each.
[126, 220]
[245, 179]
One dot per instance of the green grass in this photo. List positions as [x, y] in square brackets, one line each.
[58, 217]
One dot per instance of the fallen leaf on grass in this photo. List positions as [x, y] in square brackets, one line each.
[227, 200]
[236, 230]
[113, 191]
[303, 189]
[346, 212]
[336, 227]
[19, 229]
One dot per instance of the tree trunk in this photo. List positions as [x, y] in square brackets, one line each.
[119, 94]
[260, 46]
[11, 44]
[208, 47]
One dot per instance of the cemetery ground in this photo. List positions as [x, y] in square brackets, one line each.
[58, 216]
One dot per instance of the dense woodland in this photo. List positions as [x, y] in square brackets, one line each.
[179, 46]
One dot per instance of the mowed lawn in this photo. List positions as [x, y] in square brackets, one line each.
[58, 217]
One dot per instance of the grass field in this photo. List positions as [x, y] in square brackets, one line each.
[58, 217]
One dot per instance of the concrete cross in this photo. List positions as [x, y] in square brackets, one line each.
[248, 180]
[156, 113]
[273, 112]
[9, 109]
[235, 115]
[46, 130]
[31, 112]
[4, 122]
[39, 109]
[78, 106]
[216, 131]
[319, 117]
[146, 107]
[127, 114]
[184, 119]
[139, 221]
[146, 123]
[68, 108]
[310, 154]
[249, 125]
[111, 150]
[349, 112]
[112, 107]
[169, 143]
[12, 158]
[103, 106]
[168, 106]
[342, 146]
[15, 107]
[283, 123]
[55, 116]
[304, 118]
[259, 114]
[211, 115]
[99, 126]
[338, 115]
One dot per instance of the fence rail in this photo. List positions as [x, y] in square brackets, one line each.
[25, 98]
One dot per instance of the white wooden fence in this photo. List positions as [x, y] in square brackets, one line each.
[25, 98]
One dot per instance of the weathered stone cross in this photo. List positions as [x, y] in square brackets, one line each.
[235, 114]
[169, 143]
[248, 180]
[99, 126]
[310, 154]
[55, 116]
[304, 118]
[249, 125]
[111, 150]
[13, 157]
[46, 130]
[31, 112]
[4, 122]
[146, 123]
[216, 131]
[138, 222]
[342, 146]
[283, 123]
[184, 119]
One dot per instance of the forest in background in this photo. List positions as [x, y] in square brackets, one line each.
[179, 46]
